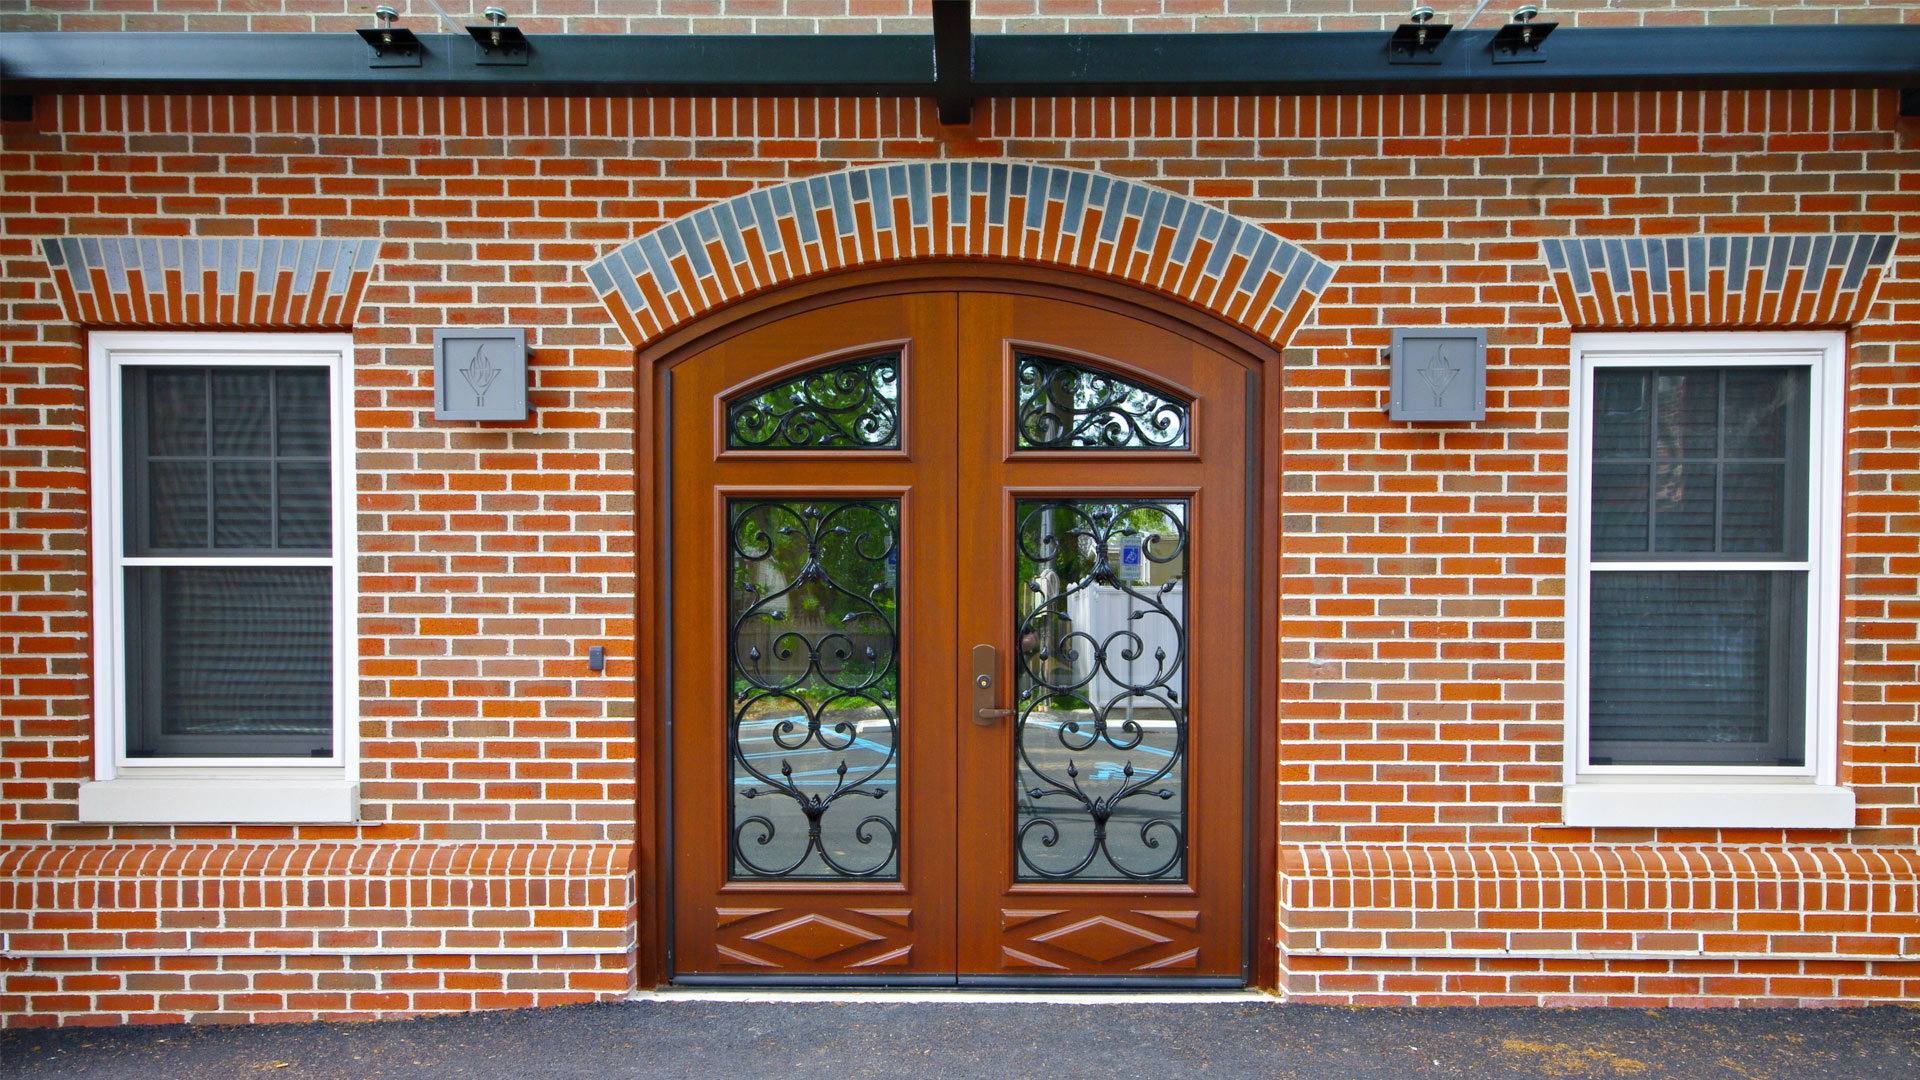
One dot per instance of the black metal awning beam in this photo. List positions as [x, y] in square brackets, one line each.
[1001, 65]
[953, 60]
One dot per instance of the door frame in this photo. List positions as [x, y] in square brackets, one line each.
[653, 862]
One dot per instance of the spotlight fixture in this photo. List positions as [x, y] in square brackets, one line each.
[498, 42]
[393, 46]
[1416, 39]
[1518, 42]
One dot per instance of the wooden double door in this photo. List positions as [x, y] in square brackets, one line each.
[960, 634]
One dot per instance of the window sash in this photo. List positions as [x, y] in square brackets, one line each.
[1677, 661]
[113, 352]
[1820, 355]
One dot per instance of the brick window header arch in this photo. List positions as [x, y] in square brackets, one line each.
[1717, 282]
[994, 210]
[211, 282]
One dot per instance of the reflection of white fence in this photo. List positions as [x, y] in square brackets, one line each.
[1104, 610]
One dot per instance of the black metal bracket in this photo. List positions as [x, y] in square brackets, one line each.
[953, 60]
[499, 43]
[393, 46]
[16, 108]
[1414, 41]
[1518, 42]
[1910, 101]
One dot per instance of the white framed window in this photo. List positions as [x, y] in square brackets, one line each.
[222, 578]
[1704, 581]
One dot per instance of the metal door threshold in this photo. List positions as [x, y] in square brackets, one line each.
[844, 995]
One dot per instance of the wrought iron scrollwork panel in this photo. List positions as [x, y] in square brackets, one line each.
[1100, 736]
[854, 405]
[1066, 406]
[813, 643]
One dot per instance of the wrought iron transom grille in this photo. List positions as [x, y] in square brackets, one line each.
[1061, 405]
[852, 405]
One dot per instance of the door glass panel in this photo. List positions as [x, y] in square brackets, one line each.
[853, 405]
[813, 662]
[1065, 406]
[1100, 736]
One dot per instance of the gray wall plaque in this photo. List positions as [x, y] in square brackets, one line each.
[479, 374]
[1438, 374]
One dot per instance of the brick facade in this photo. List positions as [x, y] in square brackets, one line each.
[1421, 601]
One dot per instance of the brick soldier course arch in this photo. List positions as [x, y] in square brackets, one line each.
[1698, 282]
[1043, 215]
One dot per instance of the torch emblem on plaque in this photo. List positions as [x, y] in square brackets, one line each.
[1439, 374]
[480, 374]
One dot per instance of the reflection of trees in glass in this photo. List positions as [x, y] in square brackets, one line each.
[812, 656]
[1101, 731]
[850, 405]
[1067, 406]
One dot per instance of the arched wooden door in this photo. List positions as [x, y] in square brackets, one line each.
[961, 646]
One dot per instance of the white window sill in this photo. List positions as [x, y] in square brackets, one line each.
[220, 801]
[1710, 806]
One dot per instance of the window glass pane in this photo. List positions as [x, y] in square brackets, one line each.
[1683, 504]
[1620, 507]
[177, 504]
[1065, 406]
[1620, 420]
[813, 652]
[242, 504]
[851, 405]
[302, 412]
[1754, 508]
[231, 660]
[1687, 413]
[176, 411]
[1696, 667]
[1100, 708]
[1759, 404]
[242, 413]
[306, 505]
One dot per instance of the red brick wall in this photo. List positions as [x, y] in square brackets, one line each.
[1422, 641]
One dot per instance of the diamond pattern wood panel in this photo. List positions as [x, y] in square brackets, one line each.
[1142, 941]
[827, 940]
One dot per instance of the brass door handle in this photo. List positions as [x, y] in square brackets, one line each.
[986, 697]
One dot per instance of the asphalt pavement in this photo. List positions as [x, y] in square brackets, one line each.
[722, 1040]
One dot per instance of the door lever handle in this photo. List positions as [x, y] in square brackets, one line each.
[986, 674]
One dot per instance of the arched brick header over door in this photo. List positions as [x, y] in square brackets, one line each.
[1036, 214]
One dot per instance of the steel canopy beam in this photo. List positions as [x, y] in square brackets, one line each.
[953, 60]
[903, 65]
[1349, 62]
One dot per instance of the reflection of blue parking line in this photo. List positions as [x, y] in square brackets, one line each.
[863, 744]
[826, 775]
[885, 779]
